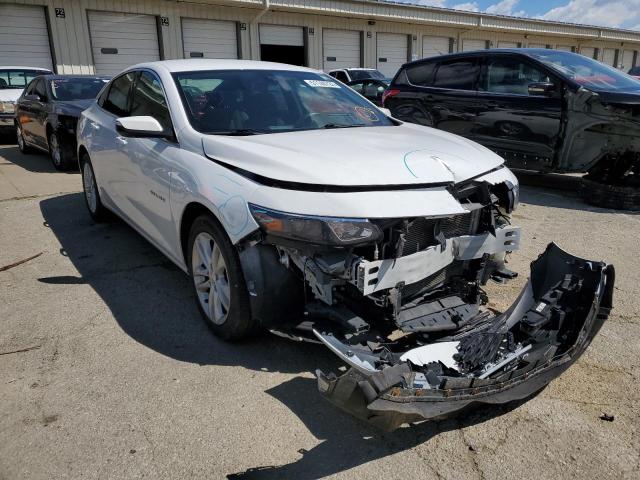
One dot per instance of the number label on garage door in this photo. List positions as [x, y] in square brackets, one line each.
[60, 13]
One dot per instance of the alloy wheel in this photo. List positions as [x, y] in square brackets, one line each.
[54, 146]
[89, 187]
[211, 278]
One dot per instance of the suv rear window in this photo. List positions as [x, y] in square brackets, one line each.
[456, 74]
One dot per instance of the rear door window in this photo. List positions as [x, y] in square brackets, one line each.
[342, 77]
[117, 100]
[457, 74]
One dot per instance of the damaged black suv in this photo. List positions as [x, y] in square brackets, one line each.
[540, 109]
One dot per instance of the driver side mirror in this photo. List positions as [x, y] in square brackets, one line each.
[544, 89]
[142, 127]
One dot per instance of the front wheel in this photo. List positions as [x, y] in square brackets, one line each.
[91, 193]
[22, 145]
[58, 154]
[218, 281]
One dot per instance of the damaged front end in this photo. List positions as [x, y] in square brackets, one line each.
[401, 302]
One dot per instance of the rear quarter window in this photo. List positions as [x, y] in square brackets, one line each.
[421, 75]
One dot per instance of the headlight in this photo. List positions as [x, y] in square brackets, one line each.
[7, 107]
[312, 229]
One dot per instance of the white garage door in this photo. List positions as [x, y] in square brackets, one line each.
[434, 46]
[609, 56]
[209, 38]
[588, 51]
[537, 45]
[508, 45]
[469, 45]
[119, 40]
[340, 49]
[564, 48]
[392, 51]
[627, 60]
[281, 35]
[24, 39]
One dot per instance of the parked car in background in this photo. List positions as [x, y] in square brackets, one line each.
[47, 113]
[13, 80]
[540, 109]
[371, 88]
[346, 75]
[297, 207]
[634, 72]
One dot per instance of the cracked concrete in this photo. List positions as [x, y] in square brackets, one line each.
[128, 382]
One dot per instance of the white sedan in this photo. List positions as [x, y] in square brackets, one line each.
[298, 207]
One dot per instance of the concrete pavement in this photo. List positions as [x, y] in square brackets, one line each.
[107, 371]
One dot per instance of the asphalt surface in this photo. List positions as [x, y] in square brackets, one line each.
[107, 371]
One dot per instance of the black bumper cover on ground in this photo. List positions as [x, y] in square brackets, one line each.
[384, 400]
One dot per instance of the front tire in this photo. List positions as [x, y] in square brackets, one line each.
[22, 145]
[91, 192]
[218, 282]
[57, 153]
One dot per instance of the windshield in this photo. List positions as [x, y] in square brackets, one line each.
[18, 78]
[365, 74]
[587, 72]
[246, 102]
[66, 89]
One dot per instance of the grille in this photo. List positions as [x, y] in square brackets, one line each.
[422, 232]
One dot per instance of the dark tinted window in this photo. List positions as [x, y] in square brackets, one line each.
[40, 90]
[634, 71]
[510, 75]
[342, 77]
[117, 100]
[364, 74]
[30, 88]
[421, 75]
[66, 89]
[456, 74]
[149, 99]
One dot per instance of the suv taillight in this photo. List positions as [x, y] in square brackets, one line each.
[389, 93]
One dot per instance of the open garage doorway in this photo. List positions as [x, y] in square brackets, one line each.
[283, 44]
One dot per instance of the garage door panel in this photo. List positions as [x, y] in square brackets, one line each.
[433, 46]
[134, 37]
[392, 52]
[24, 38]
[211, 38]
[341, 48]
[281, 35]
[472, 44]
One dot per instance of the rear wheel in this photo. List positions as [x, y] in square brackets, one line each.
[618, 197]
[91, 193]
[218, 281]
[22, 145]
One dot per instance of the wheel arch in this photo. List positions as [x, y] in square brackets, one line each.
[190, 212]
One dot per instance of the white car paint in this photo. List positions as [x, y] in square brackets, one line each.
[150, 181]
[12, 94]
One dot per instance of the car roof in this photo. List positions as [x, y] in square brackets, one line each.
[517, 51]
[193, 65]
[60, 77]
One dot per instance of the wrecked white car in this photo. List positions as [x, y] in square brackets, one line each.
[298, 207]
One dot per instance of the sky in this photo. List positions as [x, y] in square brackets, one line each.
[605, 13]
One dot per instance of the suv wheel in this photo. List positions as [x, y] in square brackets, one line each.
[218, 281]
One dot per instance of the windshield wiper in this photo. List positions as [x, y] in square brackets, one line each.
[240, 132]
[339, 125]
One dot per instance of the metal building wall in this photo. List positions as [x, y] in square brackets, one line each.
[72, 48]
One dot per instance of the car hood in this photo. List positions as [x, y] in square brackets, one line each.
[397, 155]
[10, 94]
[74, 107]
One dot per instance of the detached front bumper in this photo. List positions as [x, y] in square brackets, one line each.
[389, 397]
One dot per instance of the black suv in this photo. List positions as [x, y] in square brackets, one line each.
[540, 109]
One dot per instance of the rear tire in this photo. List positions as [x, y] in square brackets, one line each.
[22, 145]
[91, 191]
[218, 281]
[617, 197]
